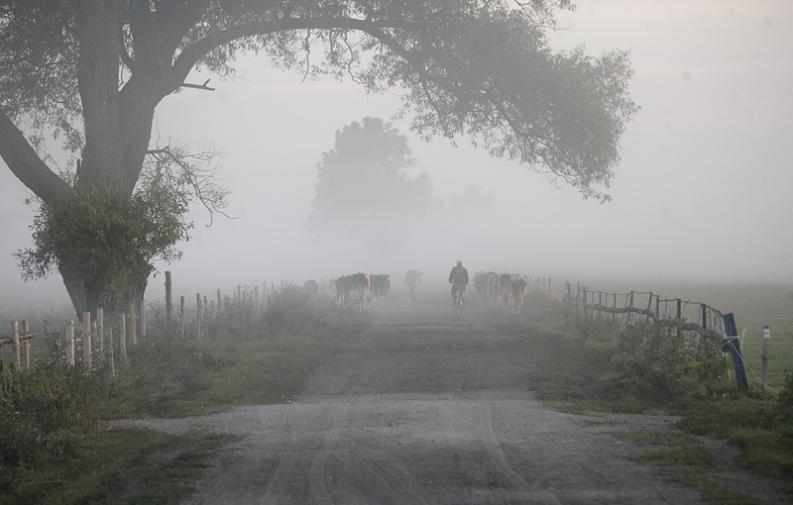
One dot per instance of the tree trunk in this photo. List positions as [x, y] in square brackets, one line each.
[85, 297]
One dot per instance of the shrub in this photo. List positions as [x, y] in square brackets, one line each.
[655, 366]
[784, 402]
[41, 412]
[290, 308]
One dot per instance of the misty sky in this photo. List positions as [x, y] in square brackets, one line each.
[703, 189]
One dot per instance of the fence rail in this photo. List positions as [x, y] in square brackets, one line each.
[710, 323]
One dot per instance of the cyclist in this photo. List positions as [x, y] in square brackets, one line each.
[458, 278]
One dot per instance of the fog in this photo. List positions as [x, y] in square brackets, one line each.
[702, 192]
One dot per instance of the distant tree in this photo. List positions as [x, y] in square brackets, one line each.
[362, 187]
[93, 72]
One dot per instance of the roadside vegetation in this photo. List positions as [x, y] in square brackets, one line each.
[583, 365]
[55, 441]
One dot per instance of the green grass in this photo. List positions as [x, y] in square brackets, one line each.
[179, 379]
[754, 306]
[120, 467]
[263, 358]
[572, 365]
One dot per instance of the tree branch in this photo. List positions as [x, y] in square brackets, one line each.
[23, 161]
[197, 86]
[193, 54]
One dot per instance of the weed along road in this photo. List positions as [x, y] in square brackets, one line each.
[424, 407]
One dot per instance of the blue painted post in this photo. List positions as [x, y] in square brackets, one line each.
[734, 347]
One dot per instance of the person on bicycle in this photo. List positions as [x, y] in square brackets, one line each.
[458, 278]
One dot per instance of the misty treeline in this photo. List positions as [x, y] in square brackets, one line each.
[365, 194]
[91, 73]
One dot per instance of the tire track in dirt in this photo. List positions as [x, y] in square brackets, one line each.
[421, 409]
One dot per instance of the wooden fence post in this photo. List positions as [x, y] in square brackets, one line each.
[704, 309]
[110, 357]
[198, 316]
[71, 344]
[87, 351]
[122, 339]
[679, 315]
[133, 323]
[630, 305]
[764, 362]
[614, 307]
[100, 334]
[142, 317]
[26, 337]
[181, 316]
[650, 306]
[168, 298]
[734, 346]
[17, 344]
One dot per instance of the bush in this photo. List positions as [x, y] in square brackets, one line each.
[784, 402]
[41, 412]
[655, 366]
[290, 308]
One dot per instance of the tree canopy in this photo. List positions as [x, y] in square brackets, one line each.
[362, 184]
[477, 67]
[92, 72]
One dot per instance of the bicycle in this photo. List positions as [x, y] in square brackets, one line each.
[458, 296]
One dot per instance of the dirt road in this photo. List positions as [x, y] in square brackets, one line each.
[424, 408]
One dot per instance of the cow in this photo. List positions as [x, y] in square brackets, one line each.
[519, 291]
[492, 287]
[504, 288]
[311, 288]
[354, 289]
[413, 281]
[343, 285]
[480, 283]
[381, 284]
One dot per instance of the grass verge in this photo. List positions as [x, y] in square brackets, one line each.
[574, 370]
[119, 467]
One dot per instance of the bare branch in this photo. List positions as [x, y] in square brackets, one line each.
[203, 86]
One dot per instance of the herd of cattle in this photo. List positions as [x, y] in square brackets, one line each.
[362, 289]
[511, 290]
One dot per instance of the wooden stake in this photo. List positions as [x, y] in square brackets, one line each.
[168, 298]
[630, 304]
[133, 323]
[100, 334]
[71, 344]
[181, 316]
[142, 317]
[614, 306]
[17, 346]
[110, 358]
[122, 339]
[198, 327]
[26, 337]
[679, 315]
[764, 362]
[87, 351]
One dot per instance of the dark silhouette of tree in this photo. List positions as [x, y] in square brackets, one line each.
[93, 72]
[362, 186]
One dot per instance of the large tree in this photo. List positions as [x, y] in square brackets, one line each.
[94, 71]
[363, 189]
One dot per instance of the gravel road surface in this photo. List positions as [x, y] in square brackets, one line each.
[423, 408]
